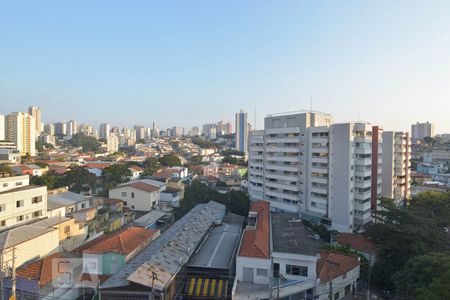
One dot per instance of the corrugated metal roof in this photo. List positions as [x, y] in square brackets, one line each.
[21, 234]
[169, 252]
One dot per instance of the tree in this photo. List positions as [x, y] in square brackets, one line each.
[79, 179]
[170, 160]
[51, 180]
[196, 159]
[116, 173]
[41, 146]
[4, 168]
[151, 165]
[88, 143]
[419, 272]
[429, 140]
[438, 289]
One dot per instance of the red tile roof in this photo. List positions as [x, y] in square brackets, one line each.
[334, 264]
[255, 242]
[123, 241]
[142, 186]
[136, 168]
[39, 270]
[97, 165]
[356, 241]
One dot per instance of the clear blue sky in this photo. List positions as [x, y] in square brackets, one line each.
[191, 62]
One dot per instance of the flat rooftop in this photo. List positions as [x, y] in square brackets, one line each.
[289, 235]
[221, 245]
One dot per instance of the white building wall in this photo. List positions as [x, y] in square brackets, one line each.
[253, 263]
[141, 201]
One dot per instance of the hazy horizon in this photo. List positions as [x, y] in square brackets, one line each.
[186, 63]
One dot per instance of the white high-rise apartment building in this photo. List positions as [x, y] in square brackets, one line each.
[36, 113]
[19, 129]
[2, 127]
[71, 127]
[104, 131]
[301, 162]
[421, 130]
[112, 143]
[396, 177]
[242, 131]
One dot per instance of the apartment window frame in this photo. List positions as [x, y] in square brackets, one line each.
[262, 272]
[295, 270]
[20, 203]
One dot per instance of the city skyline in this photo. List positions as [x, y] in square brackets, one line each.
[385, 63]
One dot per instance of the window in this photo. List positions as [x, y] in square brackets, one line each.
[2, 207]
[276, 270]
[83, 205]
[344, 276]
[5, 185]
[297, 270]
[19, 203]
[261, 272]
[124, 194]
[36, 200]
[3, 223]
[132, 206]
[125, 203]
[132, 195]
[20, 218]
[67, 229]
[37, 214]
[18, 183]
[154, 203]
[336, 296]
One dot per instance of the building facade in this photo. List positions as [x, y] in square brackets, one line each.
[20, 129]
[421, 130]
[242, 131]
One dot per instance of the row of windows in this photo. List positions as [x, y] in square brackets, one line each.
[18, 183]
[124, 194]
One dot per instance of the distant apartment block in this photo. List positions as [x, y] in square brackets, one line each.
[35, 112]
[20, 129]
[242, 131]
[421, 130]
[396, 175]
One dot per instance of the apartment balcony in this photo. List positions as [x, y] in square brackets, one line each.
[283, 149]
[363, 161]
[323, 180]
[320, 170]
[320, 190]
[320, 160]
[290, 187]
[282, 195]
[362, 219]
[322, 140]
[363, 173]
[283, 158]
[363, 150]
[256, 179]
[362, 184]
[283, 130]
[282, 177]
[362, 195]
[362, 205]
[296, 139]
[282, 168]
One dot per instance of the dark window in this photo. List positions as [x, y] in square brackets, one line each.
[297, 270]
[132, 195]
[276, 270]
[36, 200]
[19, 203]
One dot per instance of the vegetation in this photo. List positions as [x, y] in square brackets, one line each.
[116, 174]
[320, 229]
[77, 179]
[229, 152]
[196, 159]
[41, 146]
[4, 168]
[234, 161]
[202, 143]
[170, 160]
[198, 192]
[413, 250]
[87, 143]
[151, 165]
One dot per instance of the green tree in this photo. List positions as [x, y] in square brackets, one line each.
[170, 160]
[79, 179]
[196, 159]
[4, 168]
[151, 165]
[116, 173]
[419, 272]
[87, 143]
[41, 146]
[438, 289]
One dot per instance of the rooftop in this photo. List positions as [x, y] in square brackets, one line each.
[141, 186]
[123, 241]
[167, 251]
[255, 242]
[149, 218]
[289, 235]
[334, 264]
[66, 198]
[218, 250]
[356, 241]
[21, 234]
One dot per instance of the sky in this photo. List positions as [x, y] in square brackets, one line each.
[187, 63]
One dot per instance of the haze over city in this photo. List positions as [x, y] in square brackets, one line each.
[187, 63]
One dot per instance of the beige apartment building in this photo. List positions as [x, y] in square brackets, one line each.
[20, 129]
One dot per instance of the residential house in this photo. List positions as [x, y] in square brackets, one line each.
[137, 195]
[69, 200]
[136, 172]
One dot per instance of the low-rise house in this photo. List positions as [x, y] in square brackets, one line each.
[137, 195]
[37, 279]
[21, 202]
[71, 201]
[84, 215]
[155, 219]
[136, 172]
[358, 243]
[337, 274]
[113, 251]
[170, 197]
[10, 155]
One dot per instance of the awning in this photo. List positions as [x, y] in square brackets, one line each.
[207, 287]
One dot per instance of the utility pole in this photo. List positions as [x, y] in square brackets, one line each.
[151, 269]
[368, 279]
[13, 276]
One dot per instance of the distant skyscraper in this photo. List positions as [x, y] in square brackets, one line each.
[241, 131]
[140, 132]
[19, 129]
[104, 130]
[421, 130]
[49, 129]
[195, 131]
[61, 128]
[71, 127]
[35, 112]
